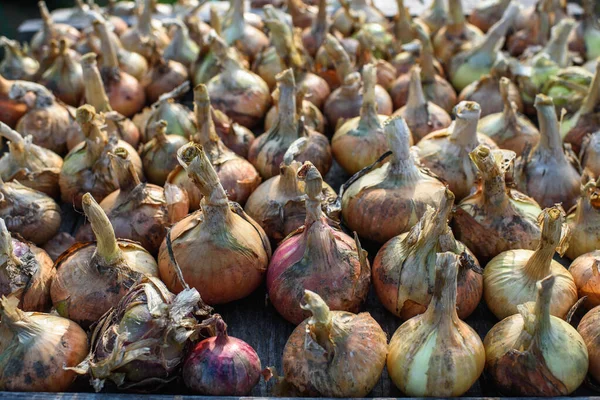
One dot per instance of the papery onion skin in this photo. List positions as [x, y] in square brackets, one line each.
[334, 353]
[64, 77]
[159, 154]
[584, 221]
[313, 117]
[17, 64]
[235, 136]
[585, 271]
[162, 77]
[58, 245]
[590, 154]
[35, 349]
[588, 329]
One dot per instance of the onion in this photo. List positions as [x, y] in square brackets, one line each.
[533, 353]
[267, 151]
[236, 137]
[509, 129]
[64, 77]
[584, 270]
[470, 65]
[51, 30]
[313, 35]
[239, 33]
[557, 47]
[360, 141]
[140, 343]
[334, 353]
[10, 110]
[404, 30]
[386, 72]
[589, 332]
[317, 257]
[546, 173]
[313, 117]
[87, 166]
[404, 268]
[533, 28]
[222, 365]
[132, 63]
[435, 17]
[159, 154]
[568, 88]
[32, 165]
[436, 88]
[421, 116]
[584, 221]
[239, 93]
[446, 152]
[435, 354]
[163, 76]
[487, 13]
[302, 15]
[585, 39]
[587, 119]
[238, 177]
[58, 245]
[26, 272]
[40, 345]
[343, 23]
[235, 248]
[145, 31]
[495, 218]
[509, 279]
[48, 122]
[590, 154]
[114, 266]
[268, 63]
[456, 36]
[182, 48]
[16, 64]
[32, 214]
[400, 189]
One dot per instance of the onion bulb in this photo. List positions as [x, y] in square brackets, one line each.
[317, 257]
[114, 266]
[495, 218]
[446, 152]
[568, 88]
[313, 117]
[509, 129]
[87, 166]
[240, 33]
[237, 176]
[585, 38]
[421, 116]
[400, 189]
[163, 76]
[159, 154]
[51, 31]
[204, 370]
[39, 345]
[302, 15]
[385, 71]
[585, 271]
[58, 245]
[236, 250]
[182, 48]
[33, 215]
[532, 29]
[584, 221]
[360, 141]
[64, 77]
[547, 173]
[402, 29]
[534, 353]
[26, 272]
[435, 17]
[487, 13]
[267, 151]
[140, 343]
[314, 34]
[588, 329]
[236, 137]
[334, 353]
[17, 65]
[404, 273]
[31, 165]
[435, 354]
[10, 110]
[146, 30]
[368, 12]
[590, 154]
[509, 279]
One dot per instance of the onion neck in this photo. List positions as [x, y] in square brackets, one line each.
[95, 138]
[426, 59]
[538, 265]
[402, 163]
[93, 86]
[288, 180]
[557, 48]
[457, 16]
[107, 249]
[542, 308]
[369, 120]
[17, 143]
[206, 134]
[493, 187]
[550, 139]
[126, 174]
[288, 124]
[339, 57]
[509, 112]
[319, 25]
[199, 168]
[402, 28]
[237, 23]
[416, 96]
[464, 128]
[109, 51]
[48, 23]
[18, 321]
[320, 325]
[221, 328]
[144, 25]
[494, 39]
[592, 99]
[442, 307]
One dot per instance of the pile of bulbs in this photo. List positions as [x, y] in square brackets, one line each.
[471, 149]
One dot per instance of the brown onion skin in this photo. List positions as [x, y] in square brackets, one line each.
[58, 245]
[49, 126]
[10, 110]
[437, 119]
[344, 105]
[163, 77]
[122, 128]
[590, 154]
[236, 137]
[313, 117]
[439, 92]
[485, 92]
[585, 125]
[585, 270]
[159, 159]
[447, 43]
[588, 329]
[316, 88]
[125, 94]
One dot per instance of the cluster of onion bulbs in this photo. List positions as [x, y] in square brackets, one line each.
[154, 172]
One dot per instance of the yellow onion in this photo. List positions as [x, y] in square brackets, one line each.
[114, 266]
[302, 14]
[587, 119]
[10, 110]
[313, 117]
[435, 354]
[240, 33]
[534, 353]
[343, 23]
[235, 247]
[547, 173]
[87, 166]
[421, 116]
[238, 177]
[47, 121]
[446, 152]
[400, 189]
[509, 279]
[435, 17]
[318, 257]
[590, 154]
[159, 154]
[31, 165]
[404, 268]
[163, 76]
[584, 221]
[360, 141]
[33, 215]
[468, 66]
[456, 36]
[64, 77]
[146, 30]
[26, 272]
[495, 218]
[585, 38]
[140, 343]
[487, 13]
[58, 245]
[509, 129]
[437, 89]
[236, 91]
[588, 329]
[403, 29]
[334, 353]
[268, 64]
[313, 35]
[37, 350]
[267, 151]
[16, 63]
[585, 271]
[51, 31]
[532, 29]
[125, 93]
[182, 48]
[236, 137]
[327, 65]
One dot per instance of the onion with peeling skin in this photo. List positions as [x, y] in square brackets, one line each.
[584, 221]
[404, 268]
[182, 48]
[163, 76]
[146, 30]
[487, 13]
[16, 64]
[585, 270]
[159, 154]
[10, 110]
[51, 30]
[64, 77]
[400, 189]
